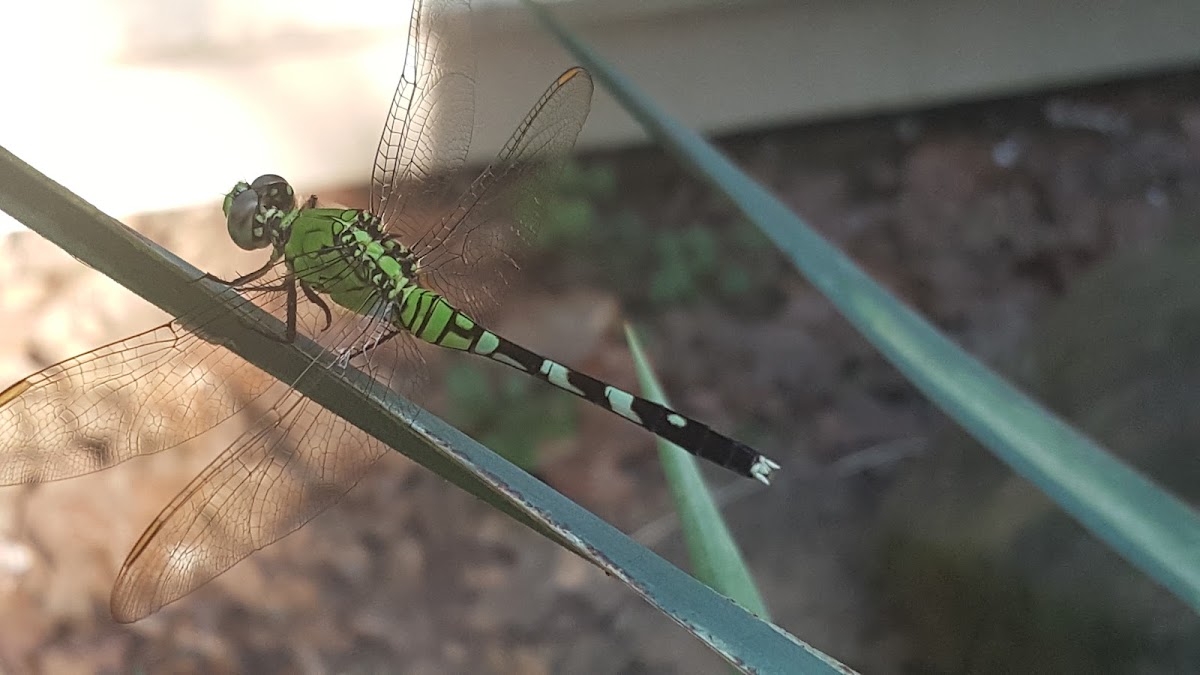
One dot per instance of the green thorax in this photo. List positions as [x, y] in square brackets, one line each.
[343, 254]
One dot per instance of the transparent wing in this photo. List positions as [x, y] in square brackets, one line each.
[138, 396]
[277, 477]
[428, 128]
[293, 463]
[502, 205]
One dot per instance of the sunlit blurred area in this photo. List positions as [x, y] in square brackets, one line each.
[1026, 175]
[147, 106]
[142, 106]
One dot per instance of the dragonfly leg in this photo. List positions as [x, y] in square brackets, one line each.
[315, 298]
[289, 335]
[245, 278]
[367, 346]
[383, 333]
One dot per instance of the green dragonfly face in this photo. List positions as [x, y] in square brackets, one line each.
[254, 212]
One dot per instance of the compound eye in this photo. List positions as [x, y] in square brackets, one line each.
[274, 193]
[245, 231]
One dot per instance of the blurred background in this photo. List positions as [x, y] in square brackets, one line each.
[1026, 174]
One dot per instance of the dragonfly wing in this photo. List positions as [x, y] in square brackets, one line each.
[297, 460]
[502, 205]
[138, 396]
[276, 477]
[428, 128]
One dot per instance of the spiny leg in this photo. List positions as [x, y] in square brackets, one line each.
[374, 344]
[245, 278]
[288, 285]
[378, 321]
[292, 309]
[315, 298]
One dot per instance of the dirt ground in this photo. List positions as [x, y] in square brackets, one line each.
[979, 215]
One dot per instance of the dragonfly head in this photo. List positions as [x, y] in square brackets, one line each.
[254, 211]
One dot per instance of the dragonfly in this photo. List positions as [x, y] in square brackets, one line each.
[418, 269]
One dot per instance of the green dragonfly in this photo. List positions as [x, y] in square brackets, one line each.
[375, 287]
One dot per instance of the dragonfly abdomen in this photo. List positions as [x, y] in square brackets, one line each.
[443, 325]
[429, 317]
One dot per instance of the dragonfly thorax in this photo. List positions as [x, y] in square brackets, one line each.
[255, 212]
[380, 260]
